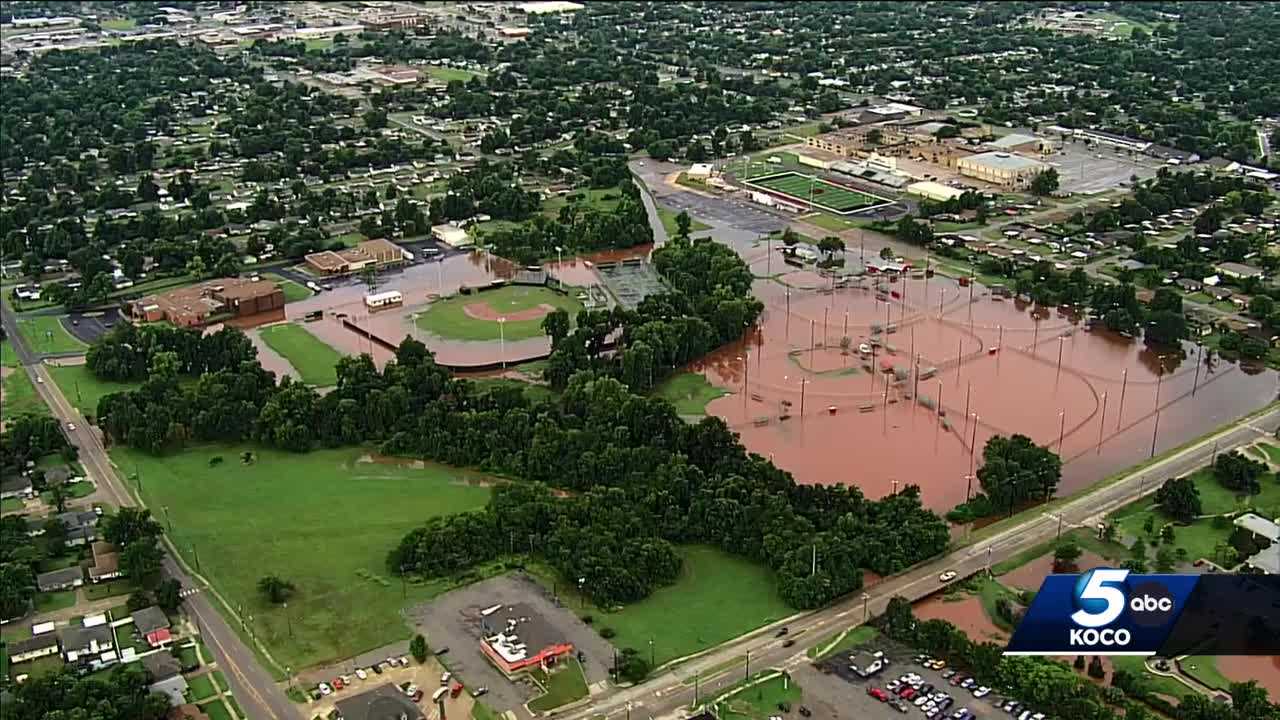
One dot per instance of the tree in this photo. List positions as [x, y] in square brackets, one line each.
[1164, 559]
[275, 589]
[139, 600]
[130, 524]
[1237, 472]
[1179, 499]
[631, 666]
[1015, 469]
[556, 325]
[169, 595]
[684, 224]
[1045, 183]
[17, 586]
[1065, 554]
[141, 561]
[886, 253]
[831, 245]
[1079, 662]
[55, 536]
[58, 493]
[1261, 306]
[1095, 668]
[418, 648]
[789, 237]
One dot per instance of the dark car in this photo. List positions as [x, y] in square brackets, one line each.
[805, 712]
[376, 668]
[781, 631]
[788, 643]
[926, 688]
[443, 650]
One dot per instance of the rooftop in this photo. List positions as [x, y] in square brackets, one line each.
[1012, 141]
[518, 632]
[149, 618]
[1004, 161]
[1259, 525]
[381, 703]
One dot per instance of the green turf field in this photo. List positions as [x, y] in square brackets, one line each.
[322, 520]
[82, 389]
[448, 318]
[312, 358]
[826, 195]
[564, 686]
[718, 597]
[45, 334]
[292, 290]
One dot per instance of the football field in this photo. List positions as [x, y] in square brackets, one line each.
[806, 189]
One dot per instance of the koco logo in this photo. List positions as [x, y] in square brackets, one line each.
[1100, 598]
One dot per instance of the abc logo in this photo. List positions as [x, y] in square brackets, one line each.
[1100, 599]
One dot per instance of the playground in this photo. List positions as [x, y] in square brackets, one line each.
[804, 189]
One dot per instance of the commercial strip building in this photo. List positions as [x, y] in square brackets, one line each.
[199, 304]
[1006, 170]
[378, 254]
[517, 638]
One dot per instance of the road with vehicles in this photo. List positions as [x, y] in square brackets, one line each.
[254, 688]
[672, 691]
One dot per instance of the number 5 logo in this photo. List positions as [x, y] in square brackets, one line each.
[1097, 598]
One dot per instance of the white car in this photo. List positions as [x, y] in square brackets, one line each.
[361, 674]
[39, 379]
[947, 576]
[982, 691]
[71, 427]
[325, 689]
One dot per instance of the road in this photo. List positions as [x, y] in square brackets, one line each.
[673, 691]
[256, 691]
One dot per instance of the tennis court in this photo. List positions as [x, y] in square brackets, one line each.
[806, 189]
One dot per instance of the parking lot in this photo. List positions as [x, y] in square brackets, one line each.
[833, 690]
[453, 620]
[88, 327]
[1084, 169]
[723, 211]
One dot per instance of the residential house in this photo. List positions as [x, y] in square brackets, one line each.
[1217, 292]
[186, 711]
[1266, 535]
[81, 526]
[64, 579]
[15, 487]
[106, 562]
[81, 643]
[152, 624]
[33, 647]
[166, 676]
[1238, 271]
[1188, 285]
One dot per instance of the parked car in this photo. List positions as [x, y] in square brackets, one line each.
[325, 689]
[360, 673]
[878, 694]
[781, 631]
[788, 643]
[337, 683]
[477, 692]
[805, 712]
[968, 683]
[982, 691]
[907, 693]
[926, 688]
[938, 664]
[948, 674]
[899, 706]
[376, 668]
[947, 576]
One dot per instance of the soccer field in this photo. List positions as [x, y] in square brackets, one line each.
[826, 195]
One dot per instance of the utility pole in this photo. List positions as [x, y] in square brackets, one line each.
[1196, 382]
[813, 570]
[1124, 384]
[1058, 375]
[1103, 422]
[1156, 427]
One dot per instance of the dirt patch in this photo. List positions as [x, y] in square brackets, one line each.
[485, 311]
[1031, 575]
[966, 614]
[1241, 668]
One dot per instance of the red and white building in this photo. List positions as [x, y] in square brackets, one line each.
[517, 639]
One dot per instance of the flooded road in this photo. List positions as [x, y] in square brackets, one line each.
[827, 413]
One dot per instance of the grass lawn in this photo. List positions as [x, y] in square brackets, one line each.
[1271, 451]
[19, 396]
[292, 290]
[448, 318]
[235, 706]
[760, 701]
[829, 222]
[843, 641]
[216, 710]
[50, 601]
[600, 199]
[531, 391]
[80, 489]
[188, 657]
[8, 358]
[717, 597]
[40, 667]
[319, 43]
[1156, 683]
[1205, 669]
[668, 218]
[201, 687]
[689, 392]
[312, 358]
[805, 130]
[322, 520]
[351, 239]
[448, 74]
[110, 588]
[45, 334]
[9, 505]
[83, 389]
[991, 591]
[480, 711]
[119, 24]
[563, 687]
[220, 681]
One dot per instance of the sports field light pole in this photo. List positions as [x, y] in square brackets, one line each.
[1103, 422]
[502, 341]
[1194, 383]
[1056, 377]
[895, 486]
[1124, 384]
[1156, 428]
[288, 618]
[1062, 427]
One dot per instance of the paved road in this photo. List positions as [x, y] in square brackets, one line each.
[673, 691]
[254, 688]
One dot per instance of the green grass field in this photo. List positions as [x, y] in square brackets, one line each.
[1204, 669]
[844, 640]
[604, 199]
[351, 239]
[312, 358]
[760, 701]
[322, 520]
[50, 601]
[689, 392]
[75, 490]
[45, 334]
[828, 221]
[448, 318]
[83, 390]
[447, 74]
[201, 687]
[8, 505]
[292, 290]
[668, 218]
[564, 686]
[216, 710]
[826, 195]
[20, 396]
[718, 597]
[8, 358]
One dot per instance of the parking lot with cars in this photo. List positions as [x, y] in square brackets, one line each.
[915, 686]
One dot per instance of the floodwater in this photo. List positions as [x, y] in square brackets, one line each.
[966, 614]
[1031, 575]
[1000, 367]
[1242, 668]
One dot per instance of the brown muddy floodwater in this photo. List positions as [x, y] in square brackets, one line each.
[996, 370]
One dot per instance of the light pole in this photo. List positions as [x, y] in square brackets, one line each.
[167, 520]
[865, 599]
[895, 486]
[968, 487]
[502, 341]
[288, 618]
[1058, 375]
[1156, 427]
[1062, 427]
[651, 664]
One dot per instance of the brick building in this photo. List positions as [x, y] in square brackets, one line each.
[378, 254]
[197, 304]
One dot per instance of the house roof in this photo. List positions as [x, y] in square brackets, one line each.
[32, 644]
[58, 578]
[161, 665]
[76, 637]
[15, 484]
[149, 619]
[1259, 525]
[382, 703]
[1240, 269]
[156, 637]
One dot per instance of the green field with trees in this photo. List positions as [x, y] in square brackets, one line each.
[313, 358]
[46, 334]
[83, 389]
[689, 393]
[276, 516]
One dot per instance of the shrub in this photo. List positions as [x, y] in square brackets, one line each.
[607, 633]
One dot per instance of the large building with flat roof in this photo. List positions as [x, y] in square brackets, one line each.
[1006, 170]
[377, 253]
[204, 302]
[517, 638]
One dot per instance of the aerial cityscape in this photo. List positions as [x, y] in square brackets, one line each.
[408, 360]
